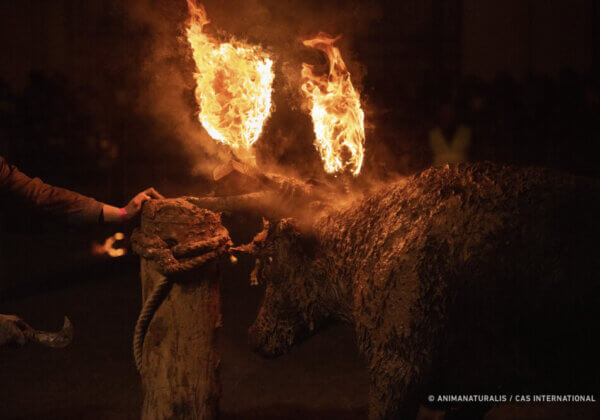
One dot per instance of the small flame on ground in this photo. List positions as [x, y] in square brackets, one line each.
[338, 118]
[108, 246]
[233, 85]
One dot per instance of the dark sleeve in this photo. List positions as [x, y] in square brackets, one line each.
[54, 201]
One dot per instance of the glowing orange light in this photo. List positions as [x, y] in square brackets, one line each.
[334, 104]
[233, 85]
[108, 246]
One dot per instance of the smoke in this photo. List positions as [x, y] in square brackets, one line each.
[279, 27]
[168, 85]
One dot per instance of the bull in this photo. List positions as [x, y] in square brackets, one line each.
[472, 278]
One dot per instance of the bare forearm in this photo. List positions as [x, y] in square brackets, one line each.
[112, 214]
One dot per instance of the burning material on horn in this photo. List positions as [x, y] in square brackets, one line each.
[335, 108]
[233, 85]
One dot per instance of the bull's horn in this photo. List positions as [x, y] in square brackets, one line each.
[254, 273]
[251, 247]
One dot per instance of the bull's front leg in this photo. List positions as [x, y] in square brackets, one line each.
[399, 350]
[399, 365]
[395, 388]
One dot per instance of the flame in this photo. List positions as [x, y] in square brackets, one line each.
[334, 104]
[108, 246]
[233, 85]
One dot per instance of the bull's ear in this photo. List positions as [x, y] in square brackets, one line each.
[261, 236]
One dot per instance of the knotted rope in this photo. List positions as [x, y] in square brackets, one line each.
[170, 261]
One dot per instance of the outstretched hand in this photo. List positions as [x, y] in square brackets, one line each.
[13, 330]
[114, 214]
[135, 205]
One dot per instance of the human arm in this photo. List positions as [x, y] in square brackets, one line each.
[55, 201]
[62, 203]
[112, 214]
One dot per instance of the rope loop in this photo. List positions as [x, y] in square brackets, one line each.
[180, 258]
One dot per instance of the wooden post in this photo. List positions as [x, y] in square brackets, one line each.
[180, 360]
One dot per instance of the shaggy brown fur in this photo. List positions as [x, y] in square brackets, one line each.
[472, 278]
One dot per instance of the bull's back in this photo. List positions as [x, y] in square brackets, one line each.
[498, 264]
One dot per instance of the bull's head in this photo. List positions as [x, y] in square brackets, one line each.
[289, 308]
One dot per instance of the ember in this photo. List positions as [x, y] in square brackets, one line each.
[335, 109]
[108, 247]
[234, 84]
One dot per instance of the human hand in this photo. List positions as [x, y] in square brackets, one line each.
[135, 205]
[113, 214]
[13, 330]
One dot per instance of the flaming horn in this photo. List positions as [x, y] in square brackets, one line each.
[233, 85]
[335, 109]
[251, 249]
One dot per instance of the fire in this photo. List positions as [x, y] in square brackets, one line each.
[233, 85]
[108, 247]
[334, 104]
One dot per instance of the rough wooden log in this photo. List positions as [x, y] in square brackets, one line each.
[180, 361]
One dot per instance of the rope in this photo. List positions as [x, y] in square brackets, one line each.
[149, 308]
[154, 248]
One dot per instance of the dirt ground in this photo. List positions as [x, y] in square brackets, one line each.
[95, 378]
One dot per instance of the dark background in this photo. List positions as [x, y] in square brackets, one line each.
[97, 96]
